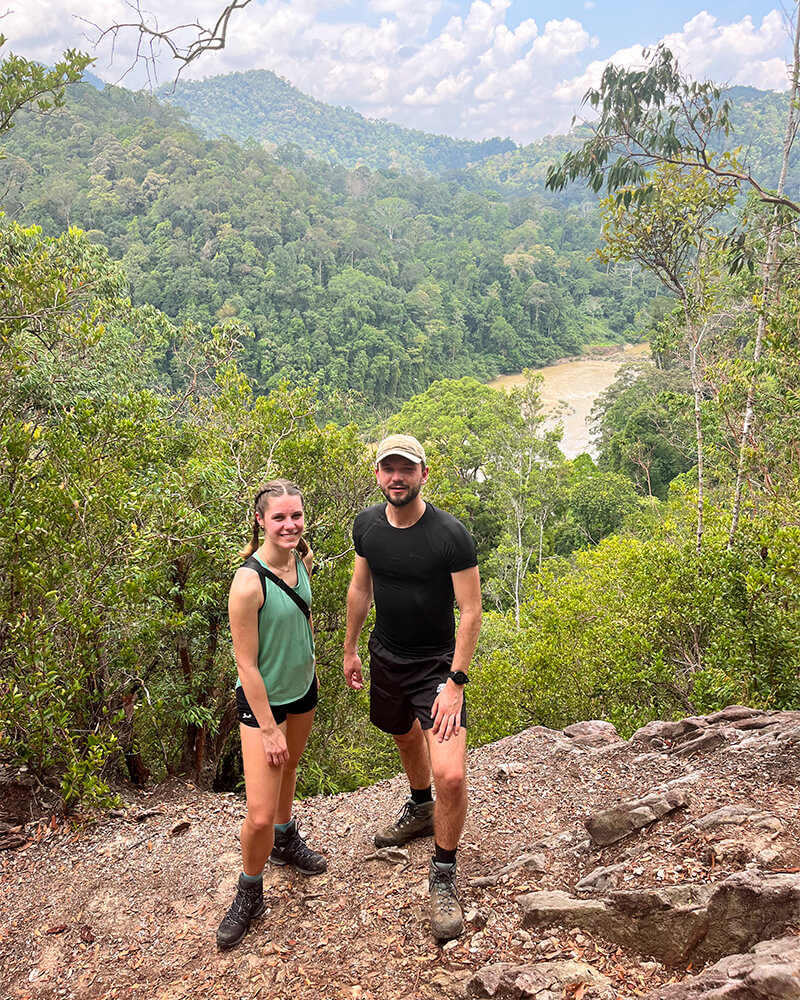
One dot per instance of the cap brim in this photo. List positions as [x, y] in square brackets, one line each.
[403, 454]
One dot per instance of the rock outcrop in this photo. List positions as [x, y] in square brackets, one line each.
[770, 972]
[544, 981]
[735, 922]
[682, 923]
[617, 822]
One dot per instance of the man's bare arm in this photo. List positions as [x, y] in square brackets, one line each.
[467, 590]
[359, 599]
[446, 710]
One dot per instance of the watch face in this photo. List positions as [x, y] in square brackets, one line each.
[458, 676]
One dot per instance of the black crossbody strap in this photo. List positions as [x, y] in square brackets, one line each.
[267, 574]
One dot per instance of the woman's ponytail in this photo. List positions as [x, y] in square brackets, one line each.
[252, 545]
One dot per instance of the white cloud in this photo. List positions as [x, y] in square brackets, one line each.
[416, 14]
[481, 72]
[730, 53]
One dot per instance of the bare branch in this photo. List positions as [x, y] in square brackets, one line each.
[151, 37]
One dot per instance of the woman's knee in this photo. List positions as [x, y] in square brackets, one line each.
[290, 771]
[260, 818]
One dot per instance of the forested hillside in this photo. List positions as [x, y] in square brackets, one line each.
[181, 318]
[757, 120]
[262, 106]
[373, 283]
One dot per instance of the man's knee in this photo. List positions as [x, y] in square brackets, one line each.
[410, 740]
[450, 779]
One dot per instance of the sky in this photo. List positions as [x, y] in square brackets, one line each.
[467, 68]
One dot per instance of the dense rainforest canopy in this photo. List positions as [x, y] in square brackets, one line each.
[183, 317]
[370, 282]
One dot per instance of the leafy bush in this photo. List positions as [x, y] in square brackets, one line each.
[645, 630]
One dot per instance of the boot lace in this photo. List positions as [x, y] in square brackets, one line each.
[407, 815]
[443, 888]
[300, 850]
[245, 901]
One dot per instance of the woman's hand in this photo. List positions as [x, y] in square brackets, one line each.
[275, 749]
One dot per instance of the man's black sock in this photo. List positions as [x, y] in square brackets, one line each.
[444, 857]
[421, 795]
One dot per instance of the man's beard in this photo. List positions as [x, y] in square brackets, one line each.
[413, 493]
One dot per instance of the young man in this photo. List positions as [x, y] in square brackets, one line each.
[415, 560]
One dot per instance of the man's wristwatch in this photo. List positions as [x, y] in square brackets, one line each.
[458, 677]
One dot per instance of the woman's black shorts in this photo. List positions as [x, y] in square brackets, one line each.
[299, 707]
[403, 689]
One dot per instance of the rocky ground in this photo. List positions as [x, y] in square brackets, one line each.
[591, 868]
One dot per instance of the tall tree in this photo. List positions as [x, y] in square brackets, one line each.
[649, 116]
[657, 116]
[673, 234]
[783, 216]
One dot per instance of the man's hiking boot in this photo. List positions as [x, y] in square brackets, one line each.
[291, 849]
[446, 916]
[415, 820]
[248, 904]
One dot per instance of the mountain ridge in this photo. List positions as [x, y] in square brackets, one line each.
[260, 105]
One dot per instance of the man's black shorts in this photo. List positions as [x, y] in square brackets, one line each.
[402, 689]
[299, 707]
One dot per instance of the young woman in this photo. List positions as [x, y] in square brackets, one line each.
[276, 694]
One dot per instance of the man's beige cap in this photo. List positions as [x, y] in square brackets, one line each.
[403, 445]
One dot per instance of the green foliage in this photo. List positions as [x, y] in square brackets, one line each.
[599, 504]
[657, 116]
[26, 84]
[370, 284]
[134, 431]
[124, 514]
[647, 630]
[653, 114]
[463, 421]
[645, 427]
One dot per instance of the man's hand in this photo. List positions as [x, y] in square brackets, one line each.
[352, 671]
[446, 711]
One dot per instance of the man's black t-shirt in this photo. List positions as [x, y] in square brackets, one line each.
[411, 580]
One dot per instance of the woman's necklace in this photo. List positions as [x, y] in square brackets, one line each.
[277, 569]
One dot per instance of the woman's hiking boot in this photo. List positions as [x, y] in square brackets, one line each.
[291, 849]
[446, 917]
[248, 904]
[415, 820]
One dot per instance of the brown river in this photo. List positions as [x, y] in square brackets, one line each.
[569, 390]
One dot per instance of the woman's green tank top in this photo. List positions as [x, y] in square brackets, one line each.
[285, 641]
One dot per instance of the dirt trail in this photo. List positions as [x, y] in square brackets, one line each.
[128, 907]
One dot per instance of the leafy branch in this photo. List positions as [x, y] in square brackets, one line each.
[648, 117]
[26, 84]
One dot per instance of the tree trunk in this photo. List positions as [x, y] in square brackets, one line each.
[693, 339]
[767, 288]
[215, 745]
